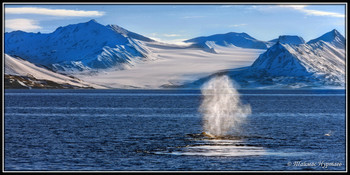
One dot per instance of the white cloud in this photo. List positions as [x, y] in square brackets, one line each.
[226, 6]
[296, 7]
[153, 34]
[237, 25]
[192, 17]
[175, 41]
[323, 13]
[179, 42]
[163, 35]
[302, 8]
[171, 35]
[22, 24]
[264, 8]
[52, 12]
[165, 38]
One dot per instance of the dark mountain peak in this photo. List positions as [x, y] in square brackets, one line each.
[335, 32]
[92, 21]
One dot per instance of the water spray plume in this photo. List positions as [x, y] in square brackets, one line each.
[221, 108]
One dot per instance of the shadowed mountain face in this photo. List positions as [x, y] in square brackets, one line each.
[289, 39]
[81, 46]
[322, 55]
[319, 63]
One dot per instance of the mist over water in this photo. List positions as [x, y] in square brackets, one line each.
[221, 108]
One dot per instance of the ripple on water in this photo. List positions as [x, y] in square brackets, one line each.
[226, 148]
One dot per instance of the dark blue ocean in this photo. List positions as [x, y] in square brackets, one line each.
[159, 130]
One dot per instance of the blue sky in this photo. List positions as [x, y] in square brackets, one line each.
[175, 22]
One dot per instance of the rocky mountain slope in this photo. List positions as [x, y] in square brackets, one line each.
[20, 73]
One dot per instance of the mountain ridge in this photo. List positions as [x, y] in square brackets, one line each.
[289, 39]
[313, 64]
[75, 47]
[333, 37]
[96, 48]
[232, 38]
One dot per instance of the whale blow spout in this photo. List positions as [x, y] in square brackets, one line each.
[221, 108]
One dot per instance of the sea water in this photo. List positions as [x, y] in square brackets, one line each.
[159, 130]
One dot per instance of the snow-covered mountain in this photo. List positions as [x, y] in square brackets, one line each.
[80, 46]
[321, 61]
[286, 62]
[127, 33]
[242, 40]
[333, 37]
[20, 73]
[288, 39]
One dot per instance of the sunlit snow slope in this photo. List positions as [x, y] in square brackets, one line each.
[82, 46]
[22, 68]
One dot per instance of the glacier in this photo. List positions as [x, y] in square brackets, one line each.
[113, 57]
